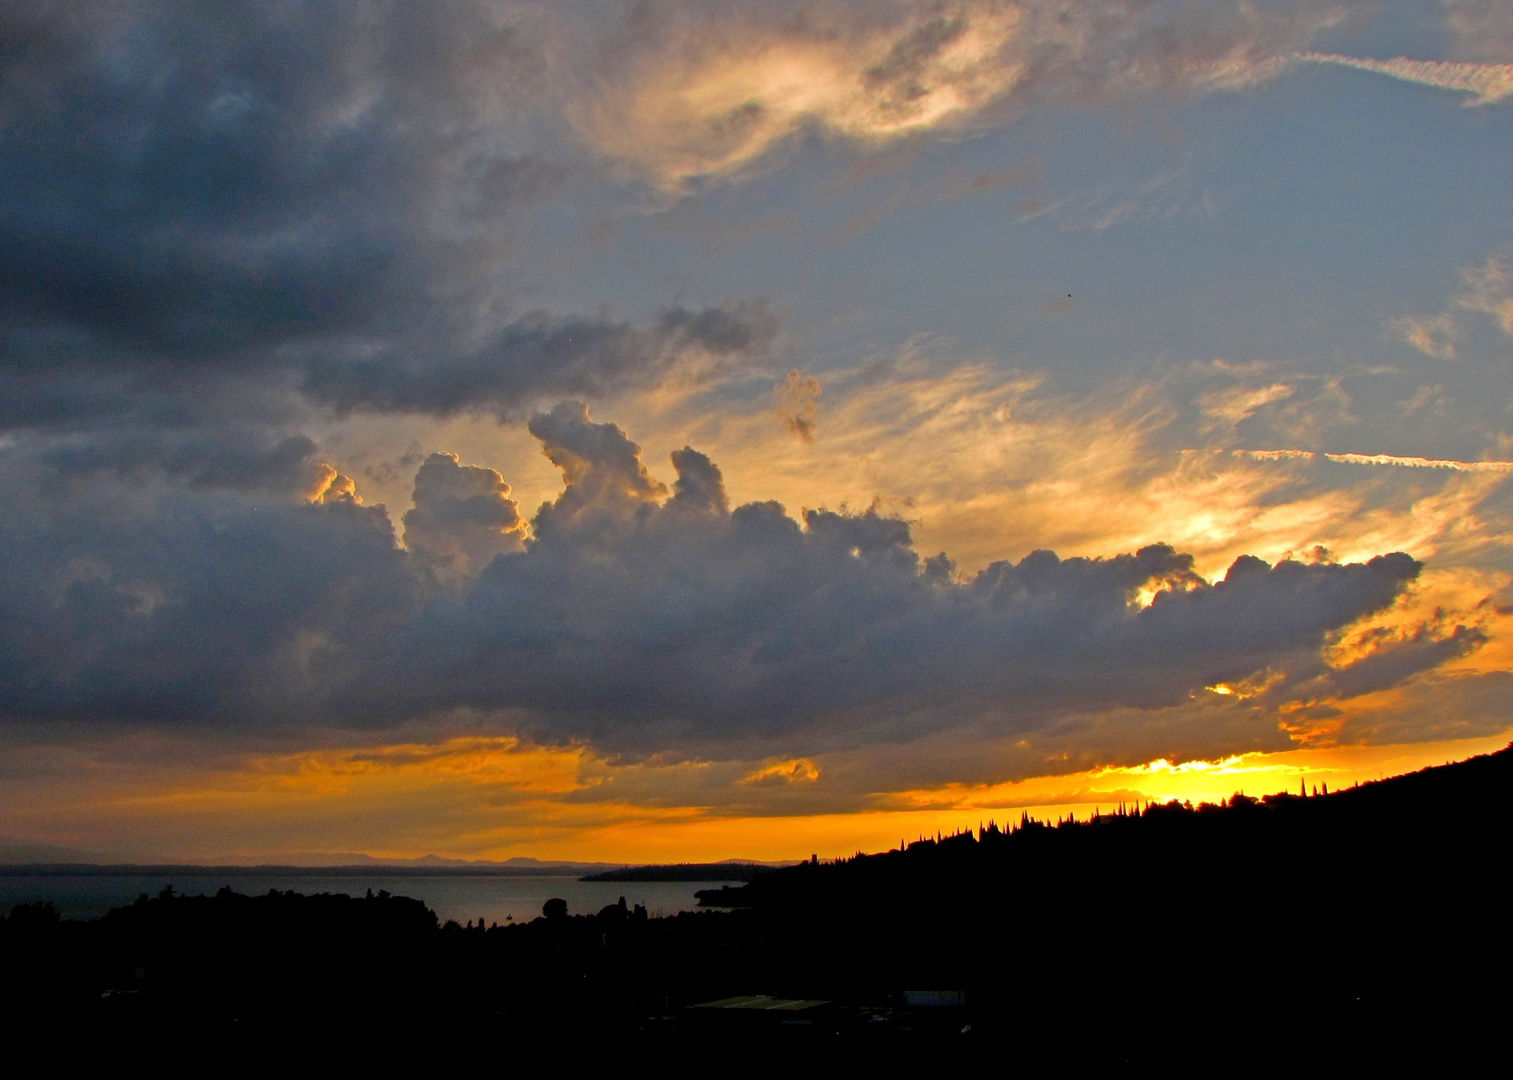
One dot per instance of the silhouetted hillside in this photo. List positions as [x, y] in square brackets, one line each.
[1364, 927]
[1448, 817]
[1373, 911]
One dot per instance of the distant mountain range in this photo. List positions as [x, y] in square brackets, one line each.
[727, 870]
[22, 851]
[18, 856]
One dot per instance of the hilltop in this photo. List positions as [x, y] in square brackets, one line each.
[1365, 926]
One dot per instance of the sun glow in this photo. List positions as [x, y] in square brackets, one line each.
[496, 798]
[1083, 793]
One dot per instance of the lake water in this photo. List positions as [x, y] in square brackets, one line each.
[494, 899]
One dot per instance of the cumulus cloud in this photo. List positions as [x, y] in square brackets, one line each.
[462, 517]
[607, 483]
[637, 626]
[193, 609]
[642, 619]
[700, 487]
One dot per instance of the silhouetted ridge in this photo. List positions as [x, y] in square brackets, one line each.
[1436, 813]
[1366, 927]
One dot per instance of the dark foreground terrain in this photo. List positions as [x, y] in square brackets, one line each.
[1368, 927]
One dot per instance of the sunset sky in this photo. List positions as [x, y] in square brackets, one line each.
[675, 430]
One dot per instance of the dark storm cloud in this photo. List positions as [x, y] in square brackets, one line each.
[189, 179]
[1393, 664]
[306, 197]
[201, 611]
[536, 355]
[1443, 706]
[241, 458]
[641, 619]
[635, 623]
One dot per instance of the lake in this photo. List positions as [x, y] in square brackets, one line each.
[492, 898]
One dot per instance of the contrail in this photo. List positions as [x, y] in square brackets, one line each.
[1379, 459]
[1489, 82]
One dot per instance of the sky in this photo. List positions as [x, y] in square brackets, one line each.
[683, 429]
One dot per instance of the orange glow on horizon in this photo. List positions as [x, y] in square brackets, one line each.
[496, 798]
[703, 837]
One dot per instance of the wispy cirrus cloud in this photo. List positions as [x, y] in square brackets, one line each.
[1403, 462]
[1487, 83]
[1488, 290]
[1480, 29]
[690, 91]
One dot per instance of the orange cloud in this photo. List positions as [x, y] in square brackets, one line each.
[800, 770]
[693, 95]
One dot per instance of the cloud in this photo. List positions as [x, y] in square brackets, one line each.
[174, 608]
[1488, 290]
[240, 457]
[1442, 707]
[1228, 407]
[1490, 83]
[640, 619]
[682, 657]
[991, 181]
[606, 480]
[246, 252]
[222, 225]
[462, 517]
[1480, 29]
[233, 179]
[1379, 459]
[798, 771]
[689, 91]
[539, 355]
[1395, 662]
[638, 628]
[988, 463]
[797, 406]
[1432, 335]
[700, 487]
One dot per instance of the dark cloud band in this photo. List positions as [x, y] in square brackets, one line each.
[320, 198]
[641, 620]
